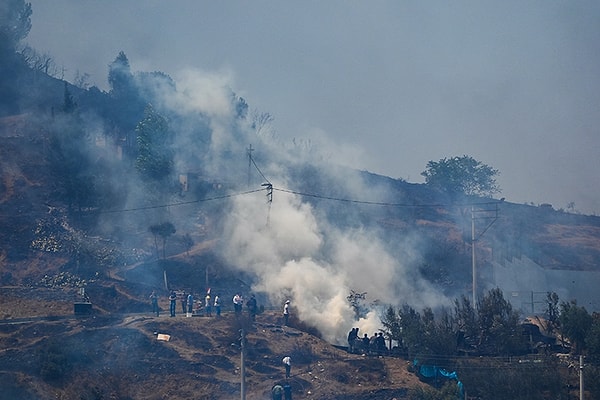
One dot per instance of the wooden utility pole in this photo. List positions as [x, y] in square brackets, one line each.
[580, 377]
[243, 364]
[473, 263]
[249, 150]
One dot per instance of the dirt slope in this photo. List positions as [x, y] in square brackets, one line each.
[119, 357]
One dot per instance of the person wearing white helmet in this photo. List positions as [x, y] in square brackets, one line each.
[286, 312]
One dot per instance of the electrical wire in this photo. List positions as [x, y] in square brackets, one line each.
[183, 203]
[298, 193]
[258, 169]
[377, 203]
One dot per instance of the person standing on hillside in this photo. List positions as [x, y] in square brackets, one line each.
[287, 362]
[251, 304]
[208, 305]
[352, 336]
[183, 302]
[154, 301]
[173, 302]
[218, 305]
[277, 392]
[190, 304]
[237, 303]
[365, 344]
[286, 312]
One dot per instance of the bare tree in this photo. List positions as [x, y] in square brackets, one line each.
[262, 123]
[41, 62]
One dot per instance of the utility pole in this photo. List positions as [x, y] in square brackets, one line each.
[486, 214]
[243, 365]
[580, 377]
[473, 263]
[249, 150]
[206, 277]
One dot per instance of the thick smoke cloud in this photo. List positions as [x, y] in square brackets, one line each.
[298, 257]
[291, 248]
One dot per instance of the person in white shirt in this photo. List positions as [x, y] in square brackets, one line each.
[286, 312]
[287, 362]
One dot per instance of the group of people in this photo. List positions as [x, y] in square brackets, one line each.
[187, 301]
[366, 345]
[251, 304]
[208, 304]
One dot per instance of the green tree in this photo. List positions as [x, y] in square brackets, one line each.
[15, 24]
[499, 324]
[412, 328]
[155, 157]
[466, 321]
[127, 107]
[575, 323]
[442, 336]
[164, 231]
[461, 175]
[592, 339]
[391, 323]
[120, 77]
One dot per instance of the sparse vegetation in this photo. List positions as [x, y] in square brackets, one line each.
[84, 177]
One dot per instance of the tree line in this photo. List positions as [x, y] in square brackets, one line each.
[495, 353]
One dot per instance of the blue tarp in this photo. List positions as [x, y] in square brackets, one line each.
[433, 371]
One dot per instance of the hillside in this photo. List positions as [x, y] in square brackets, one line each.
[79, 211]
[118, 356]
[48, 353]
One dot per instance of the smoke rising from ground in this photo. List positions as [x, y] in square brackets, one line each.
[316, 266]
[294, 250]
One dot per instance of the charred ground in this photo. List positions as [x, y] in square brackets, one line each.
[49, 251]
[118, 356]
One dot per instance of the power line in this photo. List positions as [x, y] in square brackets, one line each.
[256, 166]
[270, 188]
[182, 203]
[378, 203]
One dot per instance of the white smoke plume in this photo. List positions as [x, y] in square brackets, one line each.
[294, 251]
[316, 266]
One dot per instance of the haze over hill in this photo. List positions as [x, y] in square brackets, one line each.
[383, 86]
[162, 185]
[318, 232]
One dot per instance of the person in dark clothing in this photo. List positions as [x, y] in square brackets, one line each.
[380, 344]
[154, 301]
[365, 343]
[277, 392]
[352, 335]
[287, 392]
[183, 302]
[251, 304]
[190, 304]
[173, 302]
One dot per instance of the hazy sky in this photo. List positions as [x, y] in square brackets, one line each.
[389, 84]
